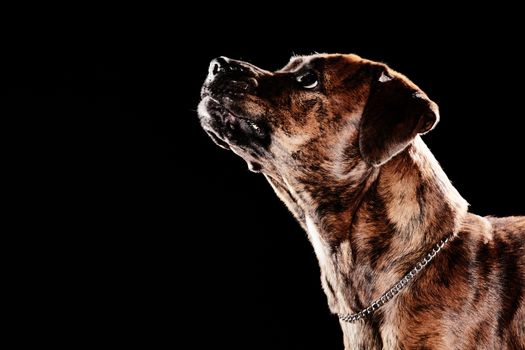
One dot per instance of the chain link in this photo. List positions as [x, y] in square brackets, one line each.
[396, 288]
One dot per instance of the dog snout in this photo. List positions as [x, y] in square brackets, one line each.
[221, 65]
[227, 76]
[218, 65]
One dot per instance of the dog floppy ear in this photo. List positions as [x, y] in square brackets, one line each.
[396, 111]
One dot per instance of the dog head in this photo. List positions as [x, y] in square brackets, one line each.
[320, 114]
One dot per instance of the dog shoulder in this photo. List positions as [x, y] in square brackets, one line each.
[510, 224]
[510, 228]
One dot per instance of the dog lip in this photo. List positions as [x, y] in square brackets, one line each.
[230, 116]
[227, 125]
[229, 110]
[218, 141]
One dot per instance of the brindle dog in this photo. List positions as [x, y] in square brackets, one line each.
[337, 137]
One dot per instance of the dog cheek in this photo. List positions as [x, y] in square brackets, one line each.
[253, 108]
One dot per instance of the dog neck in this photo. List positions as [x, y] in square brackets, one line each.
[368, 230]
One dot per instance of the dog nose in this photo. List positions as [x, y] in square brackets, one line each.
[219, 65]
[223, 64]
[237, 75]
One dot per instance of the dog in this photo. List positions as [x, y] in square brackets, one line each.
[403, 263]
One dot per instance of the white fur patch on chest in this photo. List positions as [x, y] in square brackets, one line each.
[320, 247]
[328, 270]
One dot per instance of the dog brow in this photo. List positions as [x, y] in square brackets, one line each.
[293, 64]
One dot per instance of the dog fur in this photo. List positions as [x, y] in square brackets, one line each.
[347, 159]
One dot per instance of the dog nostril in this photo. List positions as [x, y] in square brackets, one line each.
[218, 65]
[215, 68]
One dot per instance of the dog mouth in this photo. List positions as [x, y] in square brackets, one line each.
[227, 127]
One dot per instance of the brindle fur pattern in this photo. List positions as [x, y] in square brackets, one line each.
[347, 160]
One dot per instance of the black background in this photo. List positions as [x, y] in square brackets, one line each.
[162, 237]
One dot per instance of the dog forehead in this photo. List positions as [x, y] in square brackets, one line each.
[330, 61]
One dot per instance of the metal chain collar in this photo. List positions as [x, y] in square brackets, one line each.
[392, 292]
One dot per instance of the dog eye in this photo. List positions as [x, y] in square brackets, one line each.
[308, 80]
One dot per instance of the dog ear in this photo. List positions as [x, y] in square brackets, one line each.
[396, 111]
